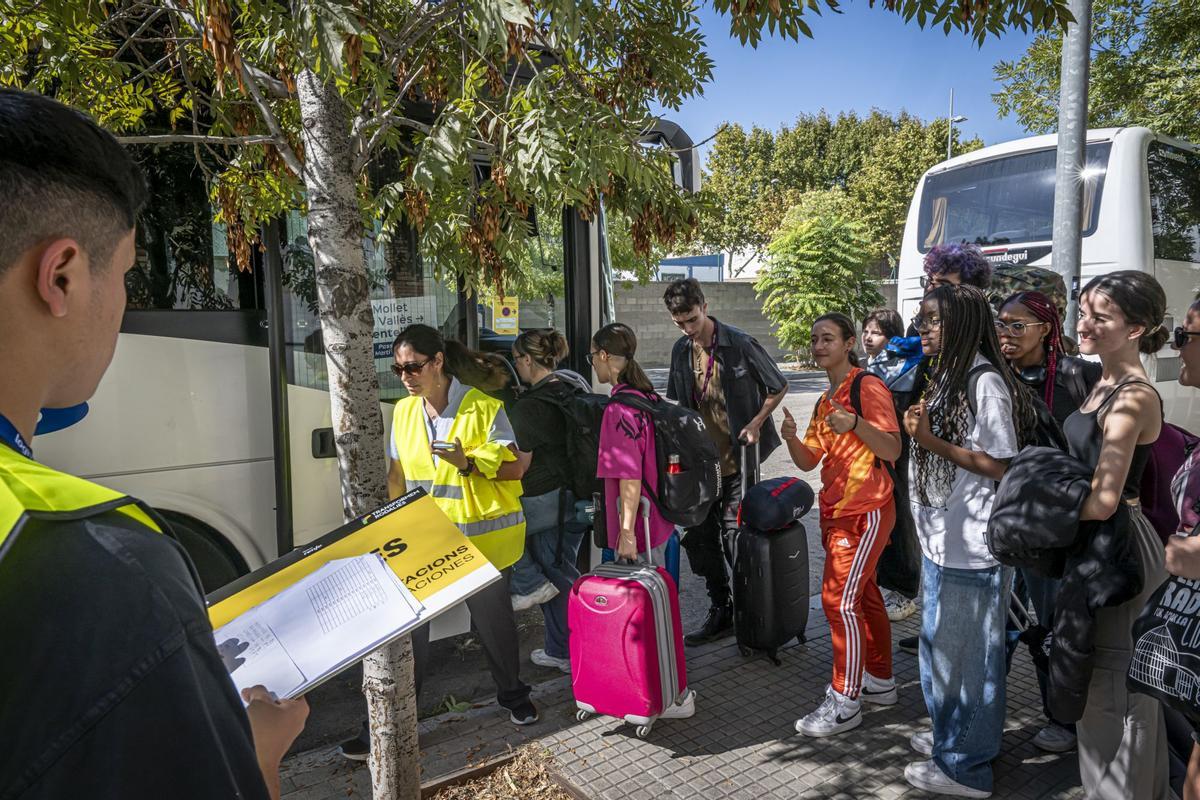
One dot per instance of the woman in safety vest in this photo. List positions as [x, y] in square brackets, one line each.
[456, 443]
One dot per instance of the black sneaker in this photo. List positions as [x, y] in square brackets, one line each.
[910, 644]
[355, 749]
[523, 713]
[717, 625]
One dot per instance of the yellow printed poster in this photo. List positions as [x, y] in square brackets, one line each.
[430, 556]
[505, 314]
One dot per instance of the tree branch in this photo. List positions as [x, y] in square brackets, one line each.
[386, 122]
[193, 138]
[282, 145]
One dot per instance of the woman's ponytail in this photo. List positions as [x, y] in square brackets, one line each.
[618, 339]
[472, 368]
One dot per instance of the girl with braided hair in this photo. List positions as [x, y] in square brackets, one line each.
[1031, 339]
[973, 416]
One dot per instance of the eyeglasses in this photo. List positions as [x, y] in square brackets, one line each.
[411, 368]
[1016, 328]
[590, 356]
[1181, 337]
[934, 281]
[927, 323]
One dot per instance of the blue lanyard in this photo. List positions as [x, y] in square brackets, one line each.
[12, 437]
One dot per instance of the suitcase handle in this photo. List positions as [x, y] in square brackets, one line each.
[644, 509]
[749, 471]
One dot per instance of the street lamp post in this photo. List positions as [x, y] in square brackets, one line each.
[953, 120]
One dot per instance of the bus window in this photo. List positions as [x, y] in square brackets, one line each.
[1174, 175]
[1006, 200]
[183, 257]
[404, 291]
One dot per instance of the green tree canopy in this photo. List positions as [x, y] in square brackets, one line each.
[882, 189]
[753, 177]
[1145, 70]
[820, 261]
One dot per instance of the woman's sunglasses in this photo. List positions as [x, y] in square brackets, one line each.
[411, 368]
[1181, 337]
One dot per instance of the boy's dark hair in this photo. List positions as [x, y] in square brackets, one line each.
[62, 175]
[890, 323]
[683, 295]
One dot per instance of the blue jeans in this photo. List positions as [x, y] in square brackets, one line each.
[538, 563]
[963, 667]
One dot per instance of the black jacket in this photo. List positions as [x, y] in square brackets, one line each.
[748, 375]
[1035, 524]
[111, 685]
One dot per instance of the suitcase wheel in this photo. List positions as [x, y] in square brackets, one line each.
[642, 731]
[745, 651]
[582, 715]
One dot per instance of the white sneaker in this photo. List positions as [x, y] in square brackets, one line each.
[922, 742]
[929, 776]
[544, 659]
[837, 714]
[878, 691]
[1054, 738]
[682, 708]
[898, 606]
[543, 594]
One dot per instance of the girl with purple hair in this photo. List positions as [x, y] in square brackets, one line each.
[955, 264]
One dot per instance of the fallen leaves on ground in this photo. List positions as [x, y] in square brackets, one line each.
[526, 777]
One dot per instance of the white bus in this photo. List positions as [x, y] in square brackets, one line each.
[216, 410]
[1141, 211]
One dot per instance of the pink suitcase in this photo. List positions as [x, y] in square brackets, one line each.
[626, 644]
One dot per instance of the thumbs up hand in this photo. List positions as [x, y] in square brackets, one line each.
[841, 420]
[788, 429]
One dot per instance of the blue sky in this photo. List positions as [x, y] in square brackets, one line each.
[859, 59]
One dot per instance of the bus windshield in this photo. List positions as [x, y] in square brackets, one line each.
[1004, 200]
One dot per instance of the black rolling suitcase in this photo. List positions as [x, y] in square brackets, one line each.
[770, 567]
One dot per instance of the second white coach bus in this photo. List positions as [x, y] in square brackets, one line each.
[1141, 211]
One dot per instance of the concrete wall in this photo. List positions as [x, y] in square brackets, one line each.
[641, 308]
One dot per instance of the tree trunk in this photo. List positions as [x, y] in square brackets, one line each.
[335, 235]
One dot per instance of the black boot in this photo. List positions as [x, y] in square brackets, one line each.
[717, 625]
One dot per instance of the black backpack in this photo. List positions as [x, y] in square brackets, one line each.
[686, 490]
[583, 413]
[856, 406]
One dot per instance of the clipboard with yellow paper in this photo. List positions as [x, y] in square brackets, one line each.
[313, 612]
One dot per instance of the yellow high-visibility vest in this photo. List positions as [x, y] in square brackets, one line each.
[29, 489]
[486, 510]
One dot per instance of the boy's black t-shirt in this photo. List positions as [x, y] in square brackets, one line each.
[110, 682]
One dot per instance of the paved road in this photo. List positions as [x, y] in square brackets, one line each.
[458, 671]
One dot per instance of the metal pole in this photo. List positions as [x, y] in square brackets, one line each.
[1072, 145]
[950, 128]
[277, 352]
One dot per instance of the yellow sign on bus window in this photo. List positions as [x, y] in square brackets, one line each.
[505, 311]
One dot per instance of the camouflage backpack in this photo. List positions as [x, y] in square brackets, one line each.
[1008, 279]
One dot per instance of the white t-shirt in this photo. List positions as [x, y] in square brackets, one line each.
[953, 533]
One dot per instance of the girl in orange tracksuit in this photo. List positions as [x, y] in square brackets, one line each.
[857, 514]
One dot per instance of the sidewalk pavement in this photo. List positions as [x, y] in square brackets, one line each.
[740, 744]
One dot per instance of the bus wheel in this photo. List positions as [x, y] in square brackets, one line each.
[215, 559]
